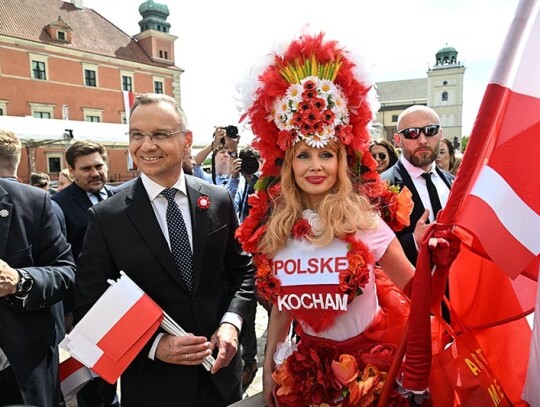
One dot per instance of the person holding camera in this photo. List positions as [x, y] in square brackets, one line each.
[244, 176]
[223, 149]
[244, 171]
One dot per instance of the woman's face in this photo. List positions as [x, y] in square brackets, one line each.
[443, 158]
[315, 171]
[381, 156]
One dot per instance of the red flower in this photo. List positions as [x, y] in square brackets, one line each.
[301, 229]
[203, 203]
[344, 133]
[285, 139]
[379, 355]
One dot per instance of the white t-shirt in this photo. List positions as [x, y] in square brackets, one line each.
[361, 311]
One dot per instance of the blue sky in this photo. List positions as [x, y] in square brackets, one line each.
[218, 42]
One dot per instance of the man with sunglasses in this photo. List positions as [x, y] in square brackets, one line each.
[419, 136]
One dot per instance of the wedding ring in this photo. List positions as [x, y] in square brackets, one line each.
[186, 356]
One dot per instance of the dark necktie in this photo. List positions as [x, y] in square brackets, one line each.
[98, 196]
[178, 237]
[433, 195]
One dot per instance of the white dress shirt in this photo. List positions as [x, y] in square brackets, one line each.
[420, 184]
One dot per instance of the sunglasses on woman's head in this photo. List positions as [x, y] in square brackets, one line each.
[379, 156]
[412, 133]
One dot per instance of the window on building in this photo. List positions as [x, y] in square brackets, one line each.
[127, 83]
[54, 163]
[38, 69]
[41, 115]
[1, 112]
[394, 117]
[160, 53]
[444, 97]
[158, 87]
[61, 35]
[166, 55]
[92, 115]
[90, 78]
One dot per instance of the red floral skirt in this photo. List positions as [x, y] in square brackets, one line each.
[351, 372]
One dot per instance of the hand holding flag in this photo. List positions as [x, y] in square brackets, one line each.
[116, 329]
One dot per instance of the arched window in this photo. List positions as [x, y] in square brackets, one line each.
[444, 97]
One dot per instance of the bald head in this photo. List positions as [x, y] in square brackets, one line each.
[416, 113]
[422, 150]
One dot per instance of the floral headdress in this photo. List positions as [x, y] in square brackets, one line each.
[314, 91]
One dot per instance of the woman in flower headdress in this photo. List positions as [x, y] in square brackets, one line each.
[315, 229]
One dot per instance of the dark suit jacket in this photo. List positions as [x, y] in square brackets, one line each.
[30, 332]
[124, 234]
[398, 175]
[74, 202]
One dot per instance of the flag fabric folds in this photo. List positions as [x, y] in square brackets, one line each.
[115, 329]
[494, 208]
[73, 376]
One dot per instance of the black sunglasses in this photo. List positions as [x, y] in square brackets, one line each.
[380, 156]
[412, 133]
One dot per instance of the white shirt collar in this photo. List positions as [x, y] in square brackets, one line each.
[153, 189]
[416, 172]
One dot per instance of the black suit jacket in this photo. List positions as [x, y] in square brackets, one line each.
[30, 331]
[398, 175]
[74, 202]
[124, 234]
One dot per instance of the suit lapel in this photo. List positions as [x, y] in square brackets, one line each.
[140, 211]
[80, 197]
[6, 212]
[199, 227]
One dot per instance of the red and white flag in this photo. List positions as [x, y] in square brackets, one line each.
[73, 376]
[494, 207]
[115, 329]
[129, 98]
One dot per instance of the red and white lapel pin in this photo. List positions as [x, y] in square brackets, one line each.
[203, 203]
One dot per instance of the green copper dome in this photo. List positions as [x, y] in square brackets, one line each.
[154, 16]
[446, 56]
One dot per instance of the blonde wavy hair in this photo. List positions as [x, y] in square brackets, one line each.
[341, 212]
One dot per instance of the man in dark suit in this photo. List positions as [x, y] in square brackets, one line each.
[419, 136]
[132, 231]
[87, 163]
[36, 273]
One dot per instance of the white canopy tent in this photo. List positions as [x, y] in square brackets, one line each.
[33, 130]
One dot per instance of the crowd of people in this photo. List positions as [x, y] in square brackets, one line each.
[294, 221]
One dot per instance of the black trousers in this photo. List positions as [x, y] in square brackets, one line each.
[98, 393]
[249, 340]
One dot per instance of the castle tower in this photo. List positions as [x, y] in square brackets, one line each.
[445, 91]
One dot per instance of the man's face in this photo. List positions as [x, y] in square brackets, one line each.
[89, 172]
[160, 160]
[420, 152]
[222, 161]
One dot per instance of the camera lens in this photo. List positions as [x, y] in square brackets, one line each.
[232, 131]
[250, 165]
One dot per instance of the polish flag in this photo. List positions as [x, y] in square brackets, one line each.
[129, 98]
[115, 329]
[73, 376]
[494, 208]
